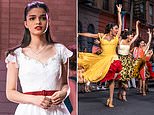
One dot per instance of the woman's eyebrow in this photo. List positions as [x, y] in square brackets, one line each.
[43, 14]
[31, 15]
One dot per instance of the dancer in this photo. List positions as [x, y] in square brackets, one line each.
[149, 73]
[103, 67]
[126, 60]
[41, 65]
[139, 53]
[148, 63]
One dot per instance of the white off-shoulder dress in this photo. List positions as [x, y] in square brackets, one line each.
[37, 76]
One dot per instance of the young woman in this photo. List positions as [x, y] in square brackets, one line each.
[139, 54]
[41, 65]
[103, 67]
[149, 73]
[126, 60]
[149, 54]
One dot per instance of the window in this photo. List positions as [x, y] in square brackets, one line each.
[106, 4]
[80, 40]
[90, 41]
[91, 28]
[142, 8]
[87, 2]
[150, 14]
[79, 27]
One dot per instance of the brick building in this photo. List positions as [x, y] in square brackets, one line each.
[101, 12]
[63, 29]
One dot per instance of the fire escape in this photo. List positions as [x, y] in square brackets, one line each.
[87, 2]
[139, 8]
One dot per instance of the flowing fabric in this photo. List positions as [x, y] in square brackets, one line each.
[149, 67]
[97, 66]
[127, 67]
[149, 72]
[139, 63]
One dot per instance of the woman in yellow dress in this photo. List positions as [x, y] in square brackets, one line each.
[103, 67]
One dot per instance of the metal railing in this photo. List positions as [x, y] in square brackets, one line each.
[87, 2]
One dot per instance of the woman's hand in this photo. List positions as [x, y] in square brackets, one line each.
[150, 52]
[119, 7]
[58, 97]
[97, 41]
[137, 22]
[77, 35]
[149, 31]
[42, 101]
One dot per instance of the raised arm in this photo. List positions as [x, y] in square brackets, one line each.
[90, 35]
[137, 32]
[148, 44]
[119, 19]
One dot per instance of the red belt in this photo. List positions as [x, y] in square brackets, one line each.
[43, 92]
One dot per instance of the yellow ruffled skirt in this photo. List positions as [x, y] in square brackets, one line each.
[96, 66]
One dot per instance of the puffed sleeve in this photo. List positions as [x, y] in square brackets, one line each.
[65, 54]
[11, 58]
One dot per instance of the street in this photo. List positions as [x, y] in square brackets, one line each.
[93, 103]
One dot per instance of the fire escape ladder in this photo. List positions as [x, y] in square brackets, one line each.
[140, 10]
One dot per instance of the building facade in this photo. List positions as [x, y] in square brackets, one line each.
[101, 12]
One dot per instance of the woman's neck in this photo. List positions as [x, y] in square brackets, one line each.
[37, 41]
[140, 46]
[127, 41]
[110, 35]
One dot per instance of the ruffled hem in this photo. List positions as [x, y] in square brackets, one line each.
[64, 52]
[115, 67]
[29, 109]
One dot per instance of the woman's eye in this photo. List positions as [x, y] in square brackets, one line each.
[31, 19]
[43, 18]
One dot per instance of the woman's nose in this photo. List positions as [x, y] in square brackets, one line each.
[38, 21]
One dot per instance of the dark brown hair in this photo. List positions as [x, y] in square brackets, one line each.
[27, 37]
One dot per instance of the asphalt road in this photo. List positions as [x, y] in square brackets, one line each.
[93, 103]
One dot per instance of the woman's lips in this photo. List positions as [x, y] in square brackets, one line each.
[38, 28]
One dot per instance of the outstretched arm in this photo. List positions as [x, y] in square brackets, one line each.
[90, 35]
[148, 44]
[119, 19]
[137, 32]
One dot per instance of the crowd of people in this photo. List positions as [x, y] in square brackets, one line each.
[117, 60]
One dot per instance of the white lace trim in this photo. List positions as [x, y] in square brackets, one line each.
[11, 59]
[65, 54]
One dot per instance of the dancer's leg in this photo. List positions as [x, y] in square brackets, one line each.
[129, 84]
[120, 90]
[133, 82]
[140, 86]
[110, 100]
[143, 86]
[125, 87]
[146, 85]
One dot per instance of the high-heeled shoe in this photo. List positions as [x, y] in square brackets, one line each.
[119, 96]
[144, 94]
[87, 87]
[124, 98]
[109, 103]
